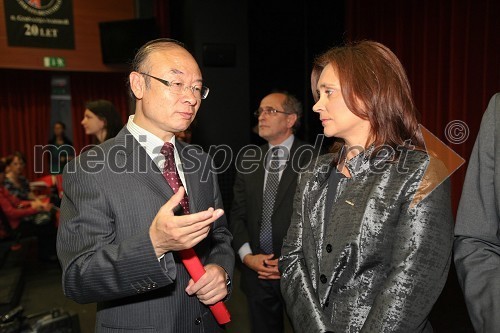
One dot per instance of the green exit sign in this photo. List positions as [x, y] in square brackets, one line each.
[54, 62]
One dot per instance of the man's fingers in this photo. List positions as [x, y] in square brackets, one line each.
[198, 236]
[271, 262]
[205, 217]
[266, 270]
[174, 201]
[269, 277]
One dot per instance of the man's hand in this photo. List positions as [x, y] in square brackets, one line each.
[264, 265]
[173, 233]
[41, 205]
[211, 287]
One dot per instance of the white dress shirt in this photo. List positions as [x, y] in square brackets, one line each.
[153, 145]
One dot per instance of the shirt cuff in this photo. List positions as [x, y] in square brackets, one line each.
[244, 250]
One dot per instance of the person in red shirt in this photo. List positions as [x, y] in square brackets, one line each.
[13, 208]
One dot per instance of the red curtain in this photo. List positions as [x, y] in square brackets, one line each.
[25, 107]
[161, 9]
[450, 50]
[24, 113]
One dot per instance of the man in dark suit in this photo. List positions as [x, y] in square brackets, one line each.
[477, 231]
[122, 223]
[261, 212]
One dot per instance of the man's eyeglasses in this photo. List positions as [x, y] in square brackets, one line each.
[200, 92]
[268, 111]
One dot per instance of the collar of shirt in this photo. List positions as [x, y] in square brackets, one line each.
[282, 157]
[286, 148]
[153, 144]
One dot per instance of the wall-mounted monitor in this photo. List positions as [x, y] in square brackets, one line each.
[121, 39]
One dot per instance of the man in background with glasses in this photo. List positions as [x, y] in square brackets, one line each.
[124, 222]
[262, 207]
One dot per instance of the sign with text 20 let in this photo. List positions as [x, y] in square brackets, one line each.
[40, 23]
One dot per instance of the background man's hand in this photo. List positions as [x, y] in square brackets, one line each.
[264, 265]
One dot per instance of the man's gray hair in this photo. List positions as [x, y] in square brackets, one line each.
[293, 105]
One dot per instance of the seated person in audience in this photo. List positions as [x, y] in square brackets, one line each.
[15, 181]
[15, 209]
[26, 214]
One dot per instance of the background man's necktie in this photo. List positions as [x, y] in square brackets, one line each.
[271, 187]
[171, 175]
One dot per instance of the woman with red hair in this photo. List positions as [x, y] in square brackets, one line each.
[369, 244]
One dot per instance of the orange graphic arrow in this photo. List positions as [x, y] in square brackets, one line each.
[443, 163]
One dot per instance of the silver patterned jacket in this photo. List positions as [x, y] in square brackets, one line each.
[379, 261]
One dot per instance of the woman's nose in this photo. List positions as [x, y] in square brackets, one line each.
[317, 107]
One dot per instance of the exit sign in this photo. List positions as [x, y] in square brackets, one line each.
[54, 62]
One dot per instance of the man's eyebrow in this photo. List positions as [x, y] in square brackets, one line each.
[179, 72]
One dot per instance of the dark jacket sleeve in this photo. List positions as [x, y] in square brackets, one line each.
[238, 216]
[95, 267]
[302, 303]
[477, 241]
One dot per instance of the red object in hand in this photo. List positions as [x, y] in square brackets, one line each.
[189, 257]
[196, 270]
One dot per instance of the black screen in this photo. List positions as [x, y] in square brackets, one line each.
[121, 39]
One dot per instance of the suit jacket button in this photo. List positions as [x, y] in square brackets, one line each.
[329, 248]
[322, 278]
[197, 321]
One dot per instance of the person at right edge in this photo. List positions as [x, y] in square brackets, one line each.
[370, 240]
[477, 232]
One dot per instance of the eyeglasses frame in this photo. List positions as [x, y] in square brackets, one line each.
[272, 111]
[169, 84]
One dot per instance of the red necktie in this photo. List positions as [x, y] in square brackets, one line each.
[172, 176]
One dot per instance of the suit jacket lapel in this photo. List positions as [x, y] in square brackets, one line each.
[134, 157]
[259, 178]
[192, 177]
[289, 174]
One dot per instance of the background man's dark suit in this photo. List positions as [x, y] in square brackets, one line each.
[262, 206]
[246, 211]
